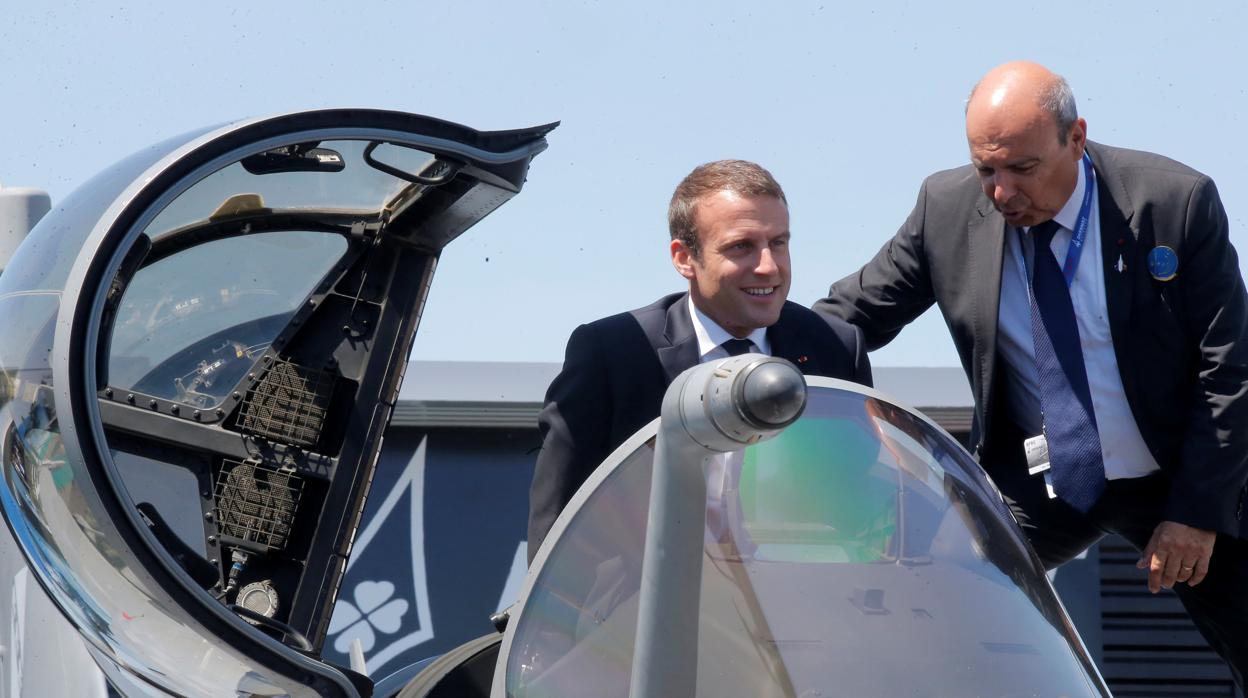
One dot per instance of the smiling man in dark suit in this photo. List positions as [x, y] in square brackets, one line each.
[729, 224]
[1098, 309]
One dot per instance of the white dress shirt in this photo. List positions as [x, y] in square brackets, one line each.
[723, 470]
[710, 336]
[1122, 448]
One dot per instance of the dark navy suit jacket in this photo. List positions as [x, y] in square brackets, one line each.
[617, 369]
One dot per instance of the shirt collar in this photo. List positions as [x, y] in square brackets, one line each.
[710, 335]
[1069, 215]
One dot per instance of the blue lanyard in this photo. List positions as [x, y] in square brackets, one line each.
[1075, 250]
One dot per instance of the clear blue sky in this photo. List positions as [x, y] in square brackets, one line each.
[850, 106]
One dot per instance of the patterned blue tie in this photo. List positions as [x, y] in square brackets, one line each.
[1065, 400]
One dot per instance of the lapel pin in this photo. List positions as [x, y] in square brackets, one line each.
[802, 359]
[1163, 263]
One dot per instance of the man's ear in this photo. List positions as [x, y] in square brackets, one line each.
[682, 259]
[1078, 136]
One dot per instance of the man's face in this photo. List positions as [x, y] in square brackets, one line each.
[741, 276]
[1023, 167]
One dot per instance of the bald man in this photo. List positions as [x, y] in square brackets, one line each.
[1097, 307]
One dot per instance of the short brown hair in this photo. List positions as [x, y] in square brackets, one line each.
[740, 177]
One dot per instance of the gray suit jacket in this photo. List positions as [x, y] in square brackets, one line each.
[1181, 345]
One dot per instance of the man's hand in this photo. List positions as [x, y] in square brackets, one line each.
[1176, 553]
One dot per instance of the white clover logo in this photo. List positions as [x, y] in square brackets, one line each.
[373, 609]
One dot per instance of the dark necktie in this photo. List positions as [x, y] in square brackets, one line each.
[1078, 471]
[737, 347]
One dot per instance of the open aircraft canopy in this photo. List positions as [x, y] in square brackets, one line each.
[201, 350]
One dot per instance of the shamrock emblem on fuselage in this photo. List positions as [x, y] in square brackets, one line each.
[374, 609]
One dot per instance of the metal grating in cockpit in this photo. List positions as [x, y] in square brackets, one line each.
[256, 503]
[288, 404]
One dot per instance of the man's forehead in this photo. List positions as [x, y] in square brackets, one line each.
[743, 219]
[994, 130]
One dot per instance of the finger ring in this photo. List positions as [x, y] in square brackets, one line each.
[1186, 567]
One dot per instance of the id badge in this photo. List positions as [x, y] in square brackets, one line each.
[1037, 450]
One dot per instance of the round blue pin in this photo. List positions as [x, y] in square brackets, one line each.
[1163, 263]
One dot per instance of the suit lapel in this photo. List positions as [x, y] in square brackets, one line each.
[677, 348]
[1118, 241]
[793, 346]
[986, 248]
[676, 345]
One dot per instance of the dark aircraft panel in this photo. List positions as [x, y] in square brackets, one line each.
[861, 552]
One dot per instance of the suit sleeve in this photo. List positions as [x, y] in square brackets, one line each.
[1208, 486]
[890, 290]
[575, 426]
[862, 364]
